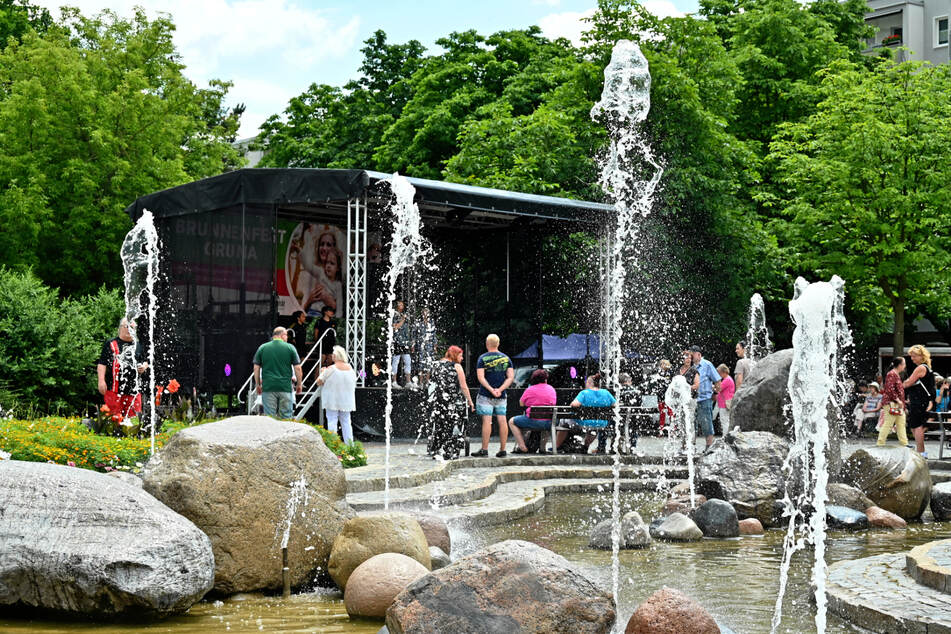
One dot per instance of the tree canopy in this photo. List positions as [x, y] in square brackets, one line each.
[95, 112]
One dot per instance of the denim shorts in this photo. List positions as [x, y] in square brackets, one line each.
[486, 406]
[524, 422]
[705, 417]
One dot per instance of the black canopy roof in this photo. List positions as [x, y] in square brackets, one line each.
[299, 187]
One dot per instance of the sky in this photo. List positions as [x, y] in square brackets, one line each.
[274, 49]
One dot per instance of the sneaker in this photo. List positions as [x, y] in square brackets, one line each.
[924, 454]
[396, 386]
[501, 454]
[482, 453]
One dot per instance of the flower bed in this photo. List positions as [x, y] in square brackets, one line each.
[67, 441]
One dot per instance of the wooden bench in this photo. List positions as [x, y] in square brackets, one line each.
[622, 414]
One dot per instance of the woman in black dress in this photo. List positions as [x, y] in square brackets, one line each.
[920, 392]
[447, 404]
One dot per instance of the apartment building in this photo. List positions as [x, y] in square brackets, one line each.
[918, 25]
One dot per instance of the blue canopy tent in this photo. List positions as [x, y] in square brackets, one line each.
[574, 347]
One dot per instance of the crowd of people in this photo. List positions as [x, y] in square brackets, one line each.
[904, 399]
[908, 400]
[712, 390]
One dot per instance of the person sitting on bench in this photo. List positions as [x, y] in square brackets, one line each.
[591, 396]
[539, 393]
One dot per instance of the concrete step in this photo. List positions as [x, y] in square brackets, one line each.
[930, 565]
[514, 500]
[470, 484]
[938, 475]
[877, 593]
[407, 471]
[940, 465]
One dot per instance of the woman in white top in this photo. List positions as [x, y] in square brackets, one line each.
[337, 397]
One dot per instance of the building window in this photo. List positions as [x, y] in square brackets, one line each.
[941, 31]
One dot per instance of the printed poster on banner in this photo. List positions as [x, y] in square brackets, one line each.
[310, 268]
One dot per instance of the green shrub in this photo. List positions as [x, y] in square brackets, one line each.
[49, 346]
[67, 441]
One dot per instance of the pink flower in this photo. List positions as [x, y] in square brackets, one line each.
[70, 464]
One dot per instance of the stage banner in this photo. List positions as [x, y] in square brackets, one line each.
[310, 268]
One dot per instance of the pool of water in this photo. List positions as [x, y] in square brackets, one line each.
[735, 579]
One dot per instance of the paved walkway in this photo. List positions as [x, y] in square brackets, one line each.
[877, 593]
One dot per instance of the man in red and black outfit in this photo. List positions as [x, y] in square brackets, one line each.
[118, 384]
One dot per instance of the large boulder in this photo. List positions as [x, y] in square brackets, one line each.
[894, 478]
[848, 496]
[746, 470]
[512, 586]
[248, 481]
[366, 536]
[676, 527]
[82, 542]
[717, 518]
[941, 501]
[376, 582]
[670, 611]
[759, 404]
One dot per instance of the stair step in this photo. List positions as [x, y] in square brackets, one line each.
[469, 485]
[513, 500]
[930, 565]
[370, 478]
[876, 593]
[938, 475]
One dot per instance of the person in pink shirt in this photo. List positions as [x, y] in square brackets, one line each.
[725, 397]
[538, 393]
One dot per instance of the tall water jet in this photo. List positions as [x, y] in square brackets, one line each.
[629, 176]
[821, 332]
[407, 247]
[680, 400]
[140, 263]
[758, 344]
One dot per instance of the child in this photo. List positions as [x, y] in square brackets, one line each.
[870, 407]
[329, 275]
[725, 397]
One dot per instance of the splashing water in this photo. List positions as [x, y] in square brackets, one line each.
[624, 104]
[758, 344]
[140, 262]
[679, 399]
[406, 249]
[821, 332]
[295, 498]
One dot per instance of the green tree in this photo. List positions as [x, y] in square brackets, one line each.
[865, 183]
[93, 113]
[19, 16]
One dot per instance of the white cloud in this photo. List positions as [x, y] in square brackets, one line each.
[263, 46]
[571, 24]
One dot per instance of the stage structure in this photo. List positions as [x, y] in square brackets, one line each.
[243, 250]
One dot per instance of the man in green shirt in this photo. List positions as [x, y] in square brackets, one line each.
[274, 363]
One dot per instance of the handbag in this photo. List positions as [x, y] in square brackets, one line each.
[895, 408]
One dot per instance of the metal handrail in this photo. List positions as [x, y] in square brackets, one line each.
[248, 384]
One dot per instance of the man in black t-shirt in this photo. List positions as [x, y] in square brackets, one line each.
[299, 326]
[118, 382]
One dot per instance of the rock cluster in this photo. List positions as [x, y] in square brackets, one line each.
[364, 537]
[82, 542]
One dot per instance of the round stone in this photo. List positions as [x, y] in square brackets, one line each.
[670, 611]
[436, 531]
[376, 582]
[717, 518]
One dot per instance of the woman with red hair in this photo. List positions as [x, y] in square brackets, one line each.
[447, 403]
